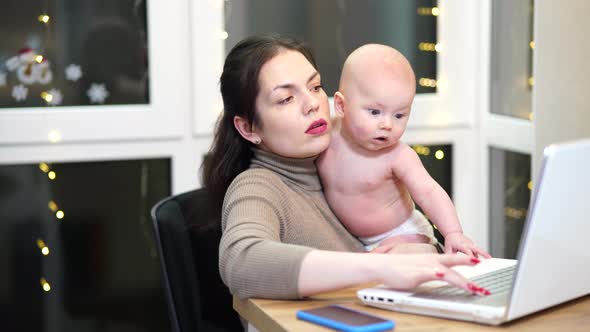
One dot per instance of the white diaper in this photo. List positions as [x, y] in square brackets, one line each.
[415, 224]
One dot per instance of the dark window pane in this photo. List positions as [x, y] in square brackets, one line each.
[510, 192]
[334, 28]
[77, 252]
[73, 52]
[438, 161]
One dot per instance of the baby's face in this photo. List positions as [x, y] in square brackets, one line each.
[377, 109]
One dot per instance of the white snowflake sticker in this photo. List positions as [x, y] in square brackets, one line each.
[56, 97]
[97, 93]
[13, 63]
[19, 92]
[73, 72]
[2, 79]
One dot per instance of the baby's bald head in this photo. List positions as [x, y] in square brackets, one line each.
[368, 61]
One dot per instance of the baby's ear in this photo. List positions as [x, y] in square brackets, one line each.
[339, 103]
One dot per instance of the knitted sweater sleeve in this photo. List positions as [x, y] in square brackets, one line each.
[253, 262]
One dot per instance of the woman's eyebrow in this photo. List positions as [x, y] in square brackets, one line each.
[291, 85]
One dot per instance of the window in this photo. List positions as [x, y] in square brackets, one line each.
[64, 53]
[511, 59]
[76, 245]
[510, 191]
[333, 29]
[74, 71]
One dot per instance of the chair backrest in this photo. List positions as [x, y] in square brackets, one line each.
[187, 231]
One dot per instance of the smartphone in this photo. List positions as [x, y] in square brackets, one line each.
[341, 318]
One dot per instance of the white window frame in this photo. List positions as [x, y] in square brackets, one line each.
[208, 45]
[450, 116]
[163, 117]
[498, 131]
[160, 129]
[454, 102]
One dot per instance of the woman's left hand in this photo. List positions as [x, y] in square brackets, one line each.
[458, 242]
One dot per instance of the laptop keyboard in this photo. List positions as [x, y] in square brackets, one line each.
[497, 282]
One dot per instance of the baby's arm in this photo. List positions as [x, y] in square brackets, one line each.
[433, 199]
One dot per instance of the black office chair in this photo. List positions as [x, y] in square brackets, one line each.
[188, 231]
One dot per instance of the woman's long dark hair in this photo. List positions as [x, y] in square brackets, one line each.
[230, 154]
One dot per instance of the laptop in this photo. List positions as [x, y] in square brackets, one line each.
[553, 262]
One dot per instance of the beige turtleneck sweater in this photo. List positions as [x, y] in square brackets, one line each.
[275, 213]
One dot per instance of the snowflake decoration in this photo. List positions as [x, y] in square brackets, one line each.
[2, 79]
[73, 72]
[13, 63]
[56, 97]
[97, 93]
[19, 92]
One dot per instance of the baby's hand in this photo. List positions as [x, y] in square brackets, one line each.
[458, 242]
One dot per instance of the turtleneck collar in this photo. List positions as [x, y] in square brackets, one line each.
[301, 172]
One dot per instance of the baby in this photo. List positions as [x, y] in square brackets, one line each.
[370, 178]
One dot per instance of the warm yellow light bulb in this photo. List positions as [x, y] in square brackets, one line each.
[54, 136]
[52, 206]
[223, 35]
[532, 44]
[439, 154]
[44, 167]
[427, 82]
[46, 286]
[531, 81]
[51, 175]
[531, 116]
[438, 47]
[48, 97]
[45, 251]
[435, 11]
[427, 47]
[530, 185]
[39, 58]
[44, 18]
[59, 214]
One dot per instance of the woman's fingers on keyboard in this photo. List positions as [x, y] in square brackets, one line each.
[454, 278]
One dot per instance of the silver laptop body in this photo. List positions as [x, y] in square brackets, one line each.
[553, 263]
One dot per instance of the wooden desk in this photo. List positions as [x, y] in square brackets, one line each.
[272, 315]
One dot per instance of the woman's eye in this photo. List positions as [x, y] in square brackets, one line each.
[317, 88]
[399, 115]
[374, 112]
[286, 100]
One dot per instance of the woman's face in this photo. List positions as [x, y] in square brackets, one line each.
[292, 107]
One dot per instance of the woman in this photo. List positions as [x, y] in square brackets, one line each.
[280, 239]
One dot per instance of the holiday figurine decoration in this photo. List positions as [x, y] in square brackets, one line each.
[30, 68]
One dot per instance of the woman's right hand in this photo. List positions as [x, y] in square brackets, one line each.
[407, 271]
[323, 271]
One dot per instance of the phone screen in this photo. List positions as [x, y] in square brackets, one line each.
[345, 315]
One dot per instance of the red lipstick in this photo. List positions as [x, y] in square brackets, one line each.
[317, 127]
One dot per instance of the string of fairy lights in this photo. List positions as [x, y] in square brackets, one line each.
[428, 46]
[55, 210]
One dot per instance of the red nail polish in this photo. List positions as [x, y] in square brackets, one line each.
[439, 274]
[486, 292]
[472, 287]
[475, 260]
